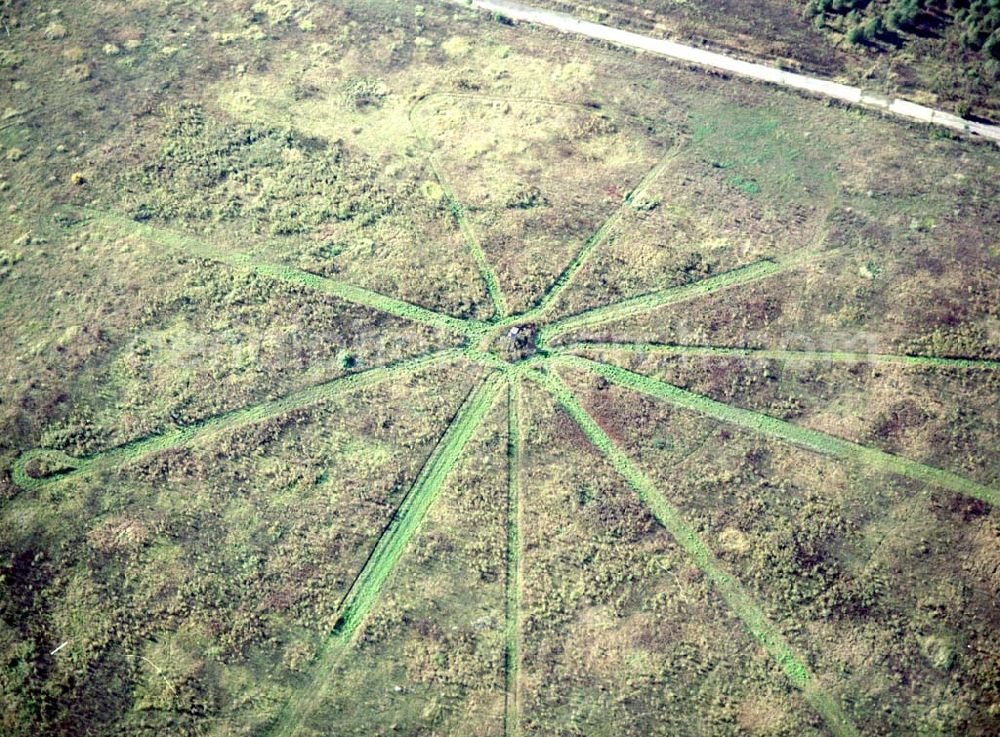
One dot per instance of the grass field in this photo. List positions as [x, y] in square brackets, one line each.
[376, 368]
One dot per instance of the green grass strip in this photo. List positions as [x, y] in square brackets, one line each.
[406, 520]
[486, 271]
[288, 274]
[485, 358]
[756, 622]
[512, 628]
[191, 434]
[813, 440]
[782, 355]
[671, 295]
[596, 239]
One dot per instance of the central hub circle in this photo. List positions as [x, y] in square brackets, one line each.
[516, 343]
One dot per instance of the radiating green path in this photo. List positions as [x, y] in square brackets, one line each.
[598, 237]
[512, 629]
[671, 295]
[782, 355]
[762, 629]
[281, 272]
[813, 440]
[489, 276]
[191, 434]
[364, 591]
[564, 278]
[389, 548]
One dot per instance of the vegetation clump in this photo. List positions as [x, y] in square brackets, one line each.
[364, 93]
[46, 465]
[55, 31]
[517, 343]
[977, 22]
[526, 198]
[276, 180]
[7, 260]
[78, 72]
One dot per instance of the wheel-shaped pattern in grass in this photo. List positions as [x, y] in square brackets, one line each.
[541, 351]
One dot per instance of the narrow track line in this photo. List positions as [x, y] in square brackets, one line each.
[671, 295]
[15, 119]
[759, 626]
[782, 355]
[191, 434]
[512, 629]
[288, 274]
[487, 359]
[814, 440]
[486, 271]
[480, 97]
[367, 585]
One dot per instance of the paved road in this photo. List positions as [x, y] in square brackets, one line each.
[662, 47]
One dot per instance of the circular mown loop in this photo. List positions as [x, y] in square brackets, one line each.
[36, 466]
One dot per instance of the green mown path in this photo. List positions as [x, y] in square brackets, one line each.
[762, 629]
[814, 440]
[406, 520]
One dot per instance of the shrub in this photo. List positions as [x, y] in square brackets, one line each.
[992, 45]
[874, 28]
[903, 13]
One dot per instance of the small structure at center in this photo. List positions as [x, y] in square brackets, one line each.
[517, 344]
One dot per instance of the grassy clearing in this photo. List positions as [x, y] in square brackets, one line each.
[812, 439]
[371, 217]
[666, 514]
[645, 303]
[781, 355]
[405, 522]
[263, 525]
[431, 652]
[938, 413]
[623, 634]
[693, 221]
[761, 154]
[285, 133]
[361, 597]
[842, 571]
[65, 468]
[291, 275]
[672, 295]
[914, 275]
